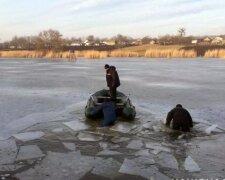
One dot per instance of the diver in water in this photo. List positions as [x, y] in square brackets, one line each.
[181, 119]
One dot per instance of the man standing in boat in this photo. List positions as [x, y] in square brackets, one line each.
[112, 79]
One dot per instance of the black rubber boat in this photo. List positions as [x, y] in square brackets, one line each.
[124, 107]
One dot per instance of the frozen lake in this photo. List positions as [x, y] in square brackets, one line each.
[44, 99]
[41, 86]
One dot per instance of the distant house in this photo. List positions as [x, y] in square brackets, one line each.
[152, 42]
[75, 44]
[218, 40]
[109, 43]
[89, 43]
[195, 41]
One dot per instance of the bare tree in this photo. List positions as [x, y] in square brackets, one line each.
[50, 40]
[182, 32]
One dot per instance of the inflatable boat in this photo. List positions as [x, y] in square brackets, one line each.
[124, 107]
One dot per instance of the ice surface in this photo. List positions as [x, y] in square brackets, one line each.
[168, 161]
[119, 139]
[108, 153]
[107, 168]
[133, 167]
[8, 151]
[190, 165]
[76, 125]
[157, 147]
[29, 152]
[210, 129]
[85, 136]
[28, 136]
[70, 146]
[123, 127]
[60, 166]
[135, 144]
[143, 152]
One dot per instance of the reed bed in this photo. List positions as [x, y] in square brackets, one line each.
[95, 54]
[170, 53]
[121, 53]
[217, 53]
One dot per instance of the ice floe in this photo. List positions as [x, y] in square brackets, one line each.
[143, 152]
[210, 129]
[28, 136]
[108, 153]
[57, 130]
[135, 144]
[107, 168]
[168, 161]
[70, 146]
[10, 167]
[123, 127]
[105, 145]
[29, 152]
[76, 125]
[119, 139]
[60, 166]
[8, 151]
[134, 167]
[190, 165]
[156, 147]
[86, 136]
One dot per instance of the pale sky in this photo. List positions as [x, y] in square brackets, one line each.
[106, 18]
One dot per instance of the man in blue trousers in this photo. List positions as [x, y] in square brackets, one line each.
[109, 111]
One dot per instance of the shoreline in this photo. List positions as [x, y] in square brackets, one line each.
[93, 54]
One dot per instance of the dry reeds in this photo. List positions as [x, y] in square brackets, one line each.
[95, 54]
[121, 53]
[216, 53]
[170, 53]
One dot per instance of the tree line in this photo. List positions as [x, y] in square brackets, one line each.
[54, 40]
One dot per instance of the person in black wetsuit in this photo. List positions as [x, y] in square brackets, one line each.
[181, 119]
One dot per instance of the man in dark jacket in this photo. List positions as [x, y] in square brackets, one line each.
[114, 83]
[108, 75]
[181, 119]
[109, 111]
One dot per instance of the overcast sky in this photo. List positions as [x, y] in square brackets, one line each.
[106, 18]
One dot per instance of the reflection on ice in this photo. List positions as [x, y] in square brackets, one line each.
[28, 136]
